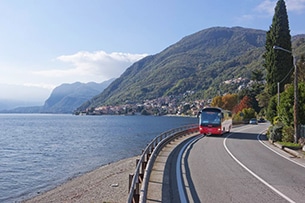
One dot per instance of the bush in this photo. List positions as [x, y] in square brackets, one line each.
[249, 113]
[244, 116]
[288, 134]
[237, 119]
[271, 109]
[275, 132]
[276, 119]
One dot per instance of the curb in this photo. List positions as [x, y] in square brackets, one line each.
[278, 145]
[295, 153]
[292, 152]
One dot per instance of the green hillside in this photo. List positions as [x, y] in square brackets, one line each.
[200, 62]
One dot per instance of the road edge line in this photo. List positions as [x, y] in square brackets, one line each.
[253, 174]
[179, 175]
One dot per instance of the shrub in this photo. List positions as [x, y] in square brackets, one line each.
[237, 119]
[288, 134]
[244, 116]
[249, 113]
[276, 119]
[276, 132]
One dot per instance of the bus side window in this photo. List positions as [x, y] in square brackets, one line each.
[222, 116]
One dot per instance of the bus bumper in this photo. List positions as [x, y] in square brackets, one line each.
[210, 130]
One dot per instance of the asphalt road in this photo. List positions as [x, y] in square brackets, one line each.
[236, 167]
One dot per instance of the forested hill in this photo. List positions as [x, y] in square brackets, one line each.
[199, 62]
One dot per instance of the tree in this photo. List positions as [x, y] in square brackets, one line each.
[251, 93]
[286, 105]
[248, 113]
[244, 115]
[217, 101]
[257, 76]
[263, 99]
[272, 109]
[243, 104]
[229, 101]
[278, 63]
[301, 69]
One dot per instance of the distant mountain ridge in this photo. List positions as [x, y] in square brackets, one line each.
[200, 62]
[66, 98]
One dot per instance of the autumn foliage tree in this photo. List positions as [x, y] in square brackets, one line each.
[243, 104]
[217, 102]
[227, 102]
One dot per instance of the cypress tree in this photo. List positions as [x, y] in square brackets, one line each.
[278, 63]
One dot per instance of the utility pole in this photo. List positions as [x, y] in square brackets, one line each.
[278, 97]
[296, 89]
[296, 96]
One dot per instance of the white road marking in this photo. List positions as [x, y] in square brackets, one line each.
[253, 174]
[278, 152]
[179, 176]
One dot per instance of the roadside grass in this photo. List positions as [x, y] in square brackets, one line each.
[290, 145]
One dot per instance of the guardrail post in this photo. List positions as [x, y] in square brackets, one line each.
[137, 161]
[144, 163]
[147, 156]
[151, 149]
[130, 180]
[136, 195]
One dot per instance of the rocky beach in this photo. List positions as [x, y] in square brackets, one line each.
[108, 183]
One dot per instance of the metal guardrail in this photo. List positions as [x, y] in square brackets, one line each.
[140, 177]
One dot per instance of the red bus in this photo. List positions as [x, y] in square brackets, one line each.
[214, 121]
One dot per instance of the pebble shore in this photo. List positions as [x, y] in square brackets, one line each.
[108, 183]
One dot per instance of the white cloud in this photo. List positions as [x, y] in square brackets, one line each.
[296, 5]
[22, 84]
[267, 6]
[86, 64]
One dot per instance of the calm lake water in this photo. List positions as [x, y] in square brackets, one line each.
[38, 152]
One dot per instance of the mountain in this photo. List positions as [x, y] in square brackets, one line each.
[298, 43]
[200, 62]
[11, 104]
[66, 98]
[196, 62]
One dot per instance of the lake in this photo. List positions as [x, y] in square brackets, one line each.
[41, 151]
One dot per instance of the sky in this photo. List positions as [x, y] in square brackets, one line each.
[45, 43]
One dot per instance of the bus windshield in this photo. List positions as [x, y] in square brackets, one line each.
[210, 117]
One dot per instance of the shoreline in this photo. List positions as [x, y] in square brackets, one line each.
[108, 183]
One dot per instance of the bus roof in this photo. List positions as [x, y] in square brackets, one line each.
[212, 109]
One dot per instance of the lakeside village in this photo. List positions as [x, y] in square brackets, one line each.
[168, 105]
